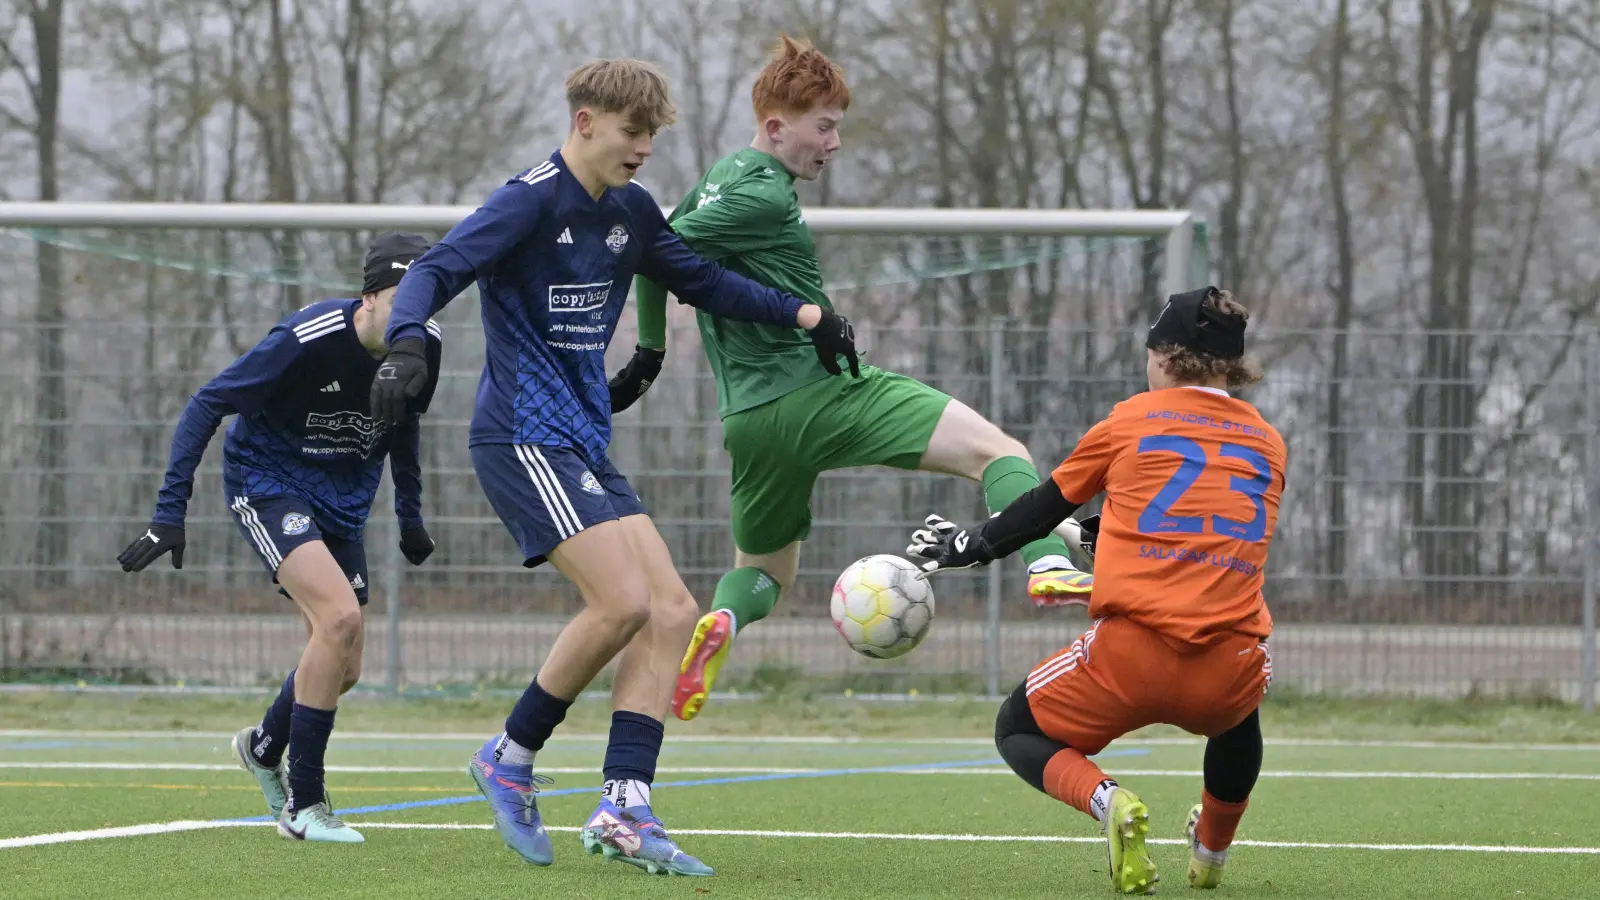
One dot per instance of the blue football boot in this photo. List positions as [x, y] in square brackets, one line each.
[512, 792]
[635, 836]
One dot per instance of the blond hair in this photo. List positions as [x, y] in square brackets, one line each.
[631, 87]
[1191, 367]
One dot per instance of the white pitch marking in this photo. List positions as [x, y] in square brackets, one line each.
[735, 739]
[170, 827]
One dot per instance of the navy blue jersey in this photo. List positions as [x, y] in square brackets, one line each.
[303, 427]
[553, 267]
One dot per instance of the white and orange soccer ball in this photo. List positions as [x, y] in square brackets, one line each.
[882, 605]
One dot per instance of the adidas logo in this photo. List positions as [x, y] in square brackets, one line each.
[357, 581]
[566, 236]
[331, 389]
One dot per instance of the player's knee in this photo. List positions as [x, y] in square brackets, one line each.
[676, 611]
[1000, 446]
[341, 629]
[624, 606]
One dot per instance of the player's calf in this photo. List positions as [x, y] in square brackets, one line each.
[1232, 766]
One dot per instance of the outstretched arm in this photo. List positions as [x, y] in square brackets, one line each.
[242, 388]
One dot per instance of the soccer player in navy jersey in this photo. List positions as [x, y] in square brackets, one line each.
[301, 465]
[553, 252]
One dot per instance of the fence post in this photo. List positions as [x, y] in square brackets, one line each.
[991, 644]
[1591, 490]
[391, 582]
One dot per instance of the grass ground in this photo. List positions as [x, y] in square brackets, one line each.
[1360, 798]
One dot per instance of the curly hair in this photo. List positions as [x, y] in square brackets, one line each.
[1190, 367]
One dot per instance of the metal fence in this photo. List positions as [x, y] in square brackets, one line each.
[1435, 538]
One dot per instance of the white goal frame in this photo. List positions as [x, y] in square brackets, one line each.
[1174, 227]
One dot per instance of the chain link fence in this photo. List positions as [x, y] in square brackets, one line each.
[1436, 536]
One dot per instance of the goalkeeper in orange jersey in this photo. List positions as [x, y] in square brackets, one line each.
[1192, 478]
[785, 420]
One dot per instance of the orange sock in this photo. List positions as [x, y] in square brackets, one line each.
[1218, 821]
[1070, 777]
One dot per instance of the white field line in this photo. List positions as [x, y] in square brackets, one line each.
[766, 770]
[735, 739]
[170, 827]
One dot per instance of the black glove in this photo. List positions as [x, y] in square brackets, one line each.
[636, 377]
[416, 544]
[1090, 529]
[401, 376]
[946, 547]
[156, 540]
[832, 336]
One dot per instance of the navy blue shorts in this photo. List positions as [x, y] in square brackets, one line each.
[545, 495]
[277, 524]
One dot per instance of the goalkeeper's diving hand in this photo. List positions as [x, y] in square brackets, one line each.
[156, 540]
[401, 376]
[628, 385]
[944, 546]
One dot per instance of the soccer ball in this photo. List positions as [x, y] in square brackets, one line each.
[882, 606]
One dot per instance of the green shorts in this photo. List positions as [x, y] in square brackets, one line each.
[779, 448]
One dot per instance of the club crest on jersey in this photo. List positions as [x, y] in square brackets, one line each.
[617, 239]
[296, 523]
[589, 483]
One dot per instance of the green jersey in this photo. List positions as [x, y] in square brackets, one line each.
[744, 213]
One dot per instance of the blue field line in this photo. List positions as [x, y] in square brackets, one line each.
[700, 782]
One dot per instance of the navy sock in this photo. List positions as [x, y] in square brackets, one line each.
[536, 714]
[308, 741]
[272, 735]
[634, 747]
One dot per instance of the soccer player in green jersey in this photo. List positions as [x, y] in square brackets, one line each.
[784, 419]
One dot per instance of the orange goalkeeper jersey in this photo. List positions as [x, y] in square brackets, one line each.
[1192, 479]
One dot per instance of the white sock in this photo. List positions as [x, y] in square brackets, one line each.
[1100, 803]
[1053, 561]
[733, 622]
[512, 753]
[626, 792]
[1207, 855]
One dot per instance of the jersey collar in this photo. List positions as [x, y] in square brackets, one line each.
[1207, 388]
[763, 158]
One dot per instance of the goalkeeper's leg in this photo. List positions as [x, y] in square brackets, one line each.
[966, 444]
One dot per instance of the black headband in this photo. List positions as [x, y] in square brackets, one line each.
[388, 259]
[1187, 322]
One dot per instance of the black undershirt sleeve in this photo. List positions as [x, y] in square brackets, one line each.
[1028, 518]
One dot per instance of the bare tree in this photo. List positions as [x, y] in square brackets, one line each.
[33, 57]
[1442, 409]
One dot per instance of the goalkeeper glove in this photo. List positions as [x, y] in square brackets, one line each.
[944, 546]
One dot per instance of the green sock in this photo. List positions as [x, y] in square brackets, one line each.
[1006, 479]
[748, 593]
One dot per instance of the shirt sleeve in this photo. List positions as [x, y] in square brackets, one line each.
[743, 221]
[1083, 474]
[468, 252]
[242, 388]
[405, 467]
[704, 284]
[650, 305]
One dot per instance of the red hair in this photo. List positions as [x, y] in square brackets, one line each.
[797, 79]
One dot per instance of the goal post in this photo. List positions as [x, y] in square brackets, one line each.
[113, 313]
